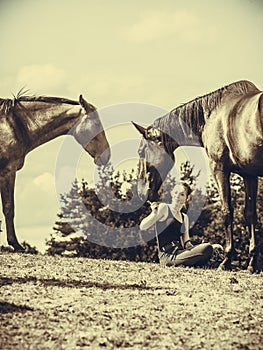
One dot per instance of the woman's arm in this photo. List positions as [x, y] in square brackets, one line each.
[185, 238]
[159, 212]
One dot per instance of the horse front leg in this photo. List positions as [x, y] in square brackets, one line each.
[221, 177]
[250, 213]
[7, 194]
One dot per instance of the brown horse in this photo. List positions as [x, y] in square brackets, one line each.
[28, 122]
[228, 123]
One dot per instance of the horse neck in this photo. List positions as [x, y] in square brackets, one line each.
[182, 130]
[46, 121]
[189, 131]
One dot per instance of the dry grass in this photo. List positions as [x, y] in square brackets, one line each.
[77, 303]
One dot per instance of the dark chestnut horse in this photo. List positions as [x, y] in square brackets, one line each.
[228, 123]
[28, 122]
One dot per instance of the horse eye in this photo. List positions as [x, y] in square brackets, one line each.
[159, 141]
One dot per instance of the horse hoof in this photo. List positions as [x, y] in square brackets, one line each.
[253, 265]
[221, 267]
[224, 266]
[250, 269]
[18, 248]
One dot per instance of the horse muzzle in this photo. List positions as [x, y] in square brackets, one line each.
[149, 181]
[103, 158]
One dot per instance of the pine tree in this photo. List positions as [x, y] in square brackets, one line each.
[99, 215]
[70, 211]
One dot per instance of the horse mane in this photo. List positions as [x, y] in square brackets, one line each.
[7, 104]
[47, 99]
[20, 126]
[193, 113]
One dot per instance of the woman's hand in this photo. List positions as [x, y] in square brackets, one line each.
[154, 207]
[159, 212]
[188, 245]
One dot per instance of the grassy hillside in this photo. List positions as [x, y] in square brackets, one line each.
[76, 303]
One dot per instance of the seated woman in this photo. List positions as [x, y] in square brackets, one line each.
[172, 232]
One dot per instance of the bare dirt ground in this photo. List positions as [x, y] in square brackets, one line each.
[77, 303]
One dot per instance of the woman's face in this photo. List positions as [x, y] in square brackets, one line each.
[179, 197]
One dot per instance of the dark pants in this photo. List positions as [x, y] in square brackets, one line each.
[197, 256]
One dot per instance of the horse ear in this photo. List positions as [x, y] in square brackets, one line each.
[87, 106]
[83, 102]
[140, 128]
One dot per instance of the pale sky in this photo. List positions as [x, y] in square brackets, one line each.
[150, 53]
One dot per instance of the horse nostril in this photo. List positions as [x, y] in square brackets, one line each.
[102, 159]
[96, 160]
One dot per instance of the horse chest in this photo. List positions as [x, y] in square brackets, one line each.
[214, 141]
[11, 149]
[11, 142]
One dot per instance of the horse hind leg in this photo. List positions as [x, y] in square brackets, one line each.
[253, 250]
[229, 249]
[251, 186]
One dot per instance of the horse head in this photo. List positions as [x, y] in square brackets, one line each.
[156, 160]
[90, 134]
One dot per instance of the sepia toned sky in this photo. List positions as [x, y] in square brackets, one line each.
[151, 53]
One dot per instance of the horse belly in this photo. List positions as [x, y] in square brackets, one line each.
[250, 160]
